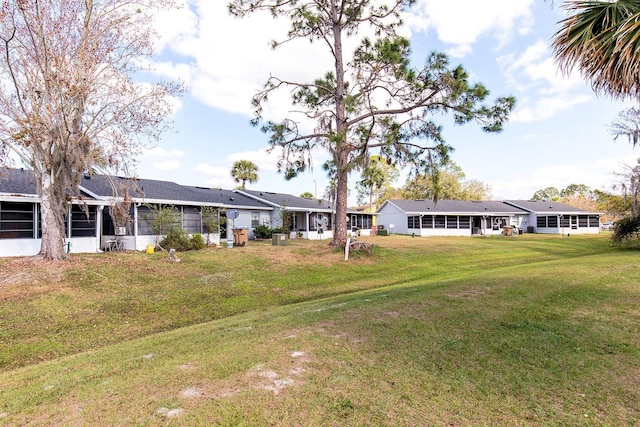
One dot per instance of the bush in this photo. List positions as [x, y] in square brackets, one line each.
[625, 230]
[178, 239]
[197, 242]
[262, 232]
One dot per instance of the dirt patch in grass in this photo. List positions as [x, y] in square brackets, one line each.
[25, 277]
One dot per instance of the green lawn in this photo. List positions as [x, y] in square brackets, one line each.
[527, 330]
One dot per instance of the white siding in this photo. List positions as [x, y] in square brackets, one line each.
[391, 214]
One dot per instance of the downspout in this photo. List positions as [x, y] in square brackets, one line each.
[135, 225]
[99, 227]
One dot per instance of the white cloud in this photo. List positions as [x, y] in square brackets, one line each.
[461, 23]
[230, 58]
[168, 165]
[542, 91]
[262, 158]
[216, 176]
[174, 26]
[599, 175]
[545, 107]
[162, 152]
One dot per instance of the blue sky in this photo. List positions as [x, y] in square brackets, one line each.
[557, 135]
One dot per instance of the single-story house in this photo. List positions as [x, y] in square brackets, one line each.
[90, 223]
[467, 218]
[310, 218]
[448, 217]
[550, 217]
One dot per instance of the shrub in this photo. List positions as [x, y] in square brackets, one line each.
[197, 242]
[178, 239]
[625, 230]
[262, 232]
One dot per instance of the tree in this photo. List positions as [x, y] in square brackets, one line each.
[601, 39]
[612, 205]
[475, 190]
[390, 193]
[376, 176]
[549, 193]
[243, 171]
[163, 218]
[373, 103]
[445, 184]
[307, 195]
[68, 101]
[576, 190]
[448, 183]
[630, 186]
[211, 220]
[627, 125]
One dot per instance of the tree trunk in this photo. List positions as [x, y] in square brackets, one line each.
[341, 151]
[342, 175]
[53, 232]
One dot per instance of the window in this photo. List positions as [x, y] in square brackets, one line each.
[146, 217]
[191, 219]
[366, 222]
[583, 221]
[439, 221]
[413, 222]
[427, 221]
[594, 221]
[541, 222]
[17, 220]
[552, 221]
[452, 222]
[83, 221]
[255, 219]
[464, 222]
[565, 221]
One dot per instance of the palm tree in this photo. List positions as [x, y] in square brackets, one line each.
[244, 170]
[602, 38]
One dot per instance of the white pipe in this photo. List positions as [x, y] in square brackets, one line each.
[346, 249]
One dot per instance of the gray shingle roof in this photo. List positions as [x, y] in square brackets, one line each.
[18, 182]
[544, 206]
[22, 182]
[454, 206]
[289, 201]
[149, 189]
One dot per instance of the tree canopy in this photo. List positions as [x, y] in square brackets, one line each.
[448, 183]
[375, 178]
[374, 102]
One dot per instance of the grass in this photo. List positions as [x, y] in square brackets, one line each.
[532, 330]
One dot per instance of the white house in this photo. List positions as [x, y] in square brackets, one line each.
[549, 217]
[449, 217]
[467, 218]
[92, 229]
[310, 218]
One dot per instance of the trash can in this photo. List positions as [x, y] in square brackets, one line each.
[279, 239]
[240, 236]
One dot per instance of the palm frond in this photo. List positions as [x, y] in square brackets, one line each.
[602, 39]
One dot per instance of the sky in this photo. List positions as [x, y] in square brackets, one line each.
[557, 135]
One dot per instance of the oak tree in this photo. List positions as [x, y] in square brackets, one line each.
[69, 103]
